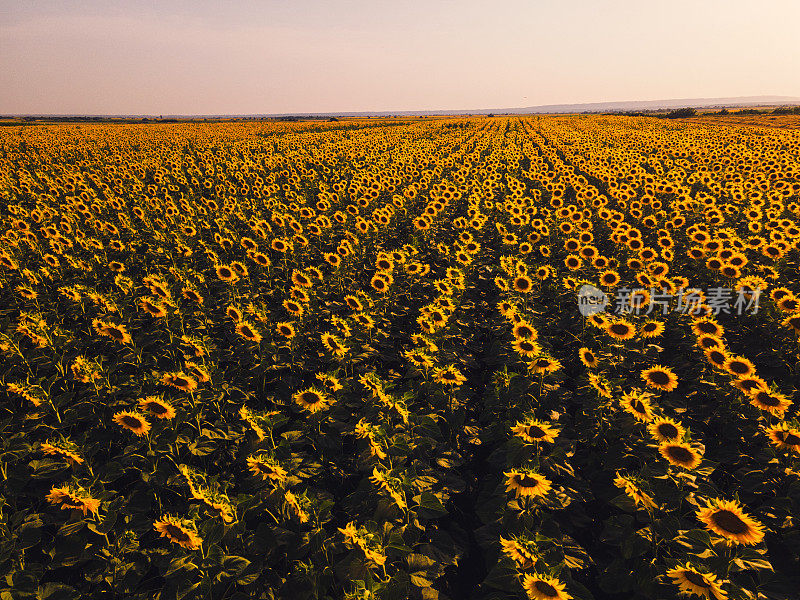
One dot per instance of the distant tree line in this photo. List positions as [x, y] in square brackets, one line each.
[683, 113]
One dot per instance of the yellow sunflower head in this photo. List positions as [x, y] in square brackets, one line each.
[540, 587]
[727, 519]
[660, 378]
[526, 482]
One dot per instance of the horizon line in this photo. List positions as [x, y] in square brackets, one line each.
[733, 101]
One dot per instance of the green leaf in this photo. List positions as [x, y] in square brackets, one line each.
[419, 562]
[233, 566]
[695, 539]
[57, 591]
[106, 524]
[180, 564]
[71, 529]
[203, 447]
[634, 545]
[623, 502]
[432, 507]
[30, 532]
[753, 563]
[419, 580]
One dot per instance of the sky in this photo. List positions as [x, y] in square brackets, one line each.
[199, 57]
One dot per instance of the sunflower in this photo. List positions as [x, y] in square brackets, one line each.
[750, 384]
[157, 407]
[132, 421]
[638, 404]
[198, 372]
[253, 421]
[84, 370]
[26, 292]
[518, 552]
[534, 431]
[178, 531]
[280, 245]
[633, 490]
[539, 587]
[68, 496]
[784, 437]
[179, 380]
[192, 295]
[267, 468]
[413, 268]
[366, 321]
[651, 329]
[773, 402]
[731, 271]
[525, 482]
[524, 330]
[620, 329]
[707, 341]
[598, 320]
[312, 400]
[588, 357]
[354, 303]
[334, 344]
[600, 385]
[240, 269]
[664, 429]
[523, 284]
[261, 259]
[419, 359]
[381, 282]
[300, 295]
[609, 278]
[506, 308]
[573, 262]
[8, 262]
[680, 454]
[301, 279]
[714, 264]
[285, 329]
[227, 274]
[660, 378]
[544, 364]
[691, 581]
[638, 300]
[792, 321]
[330, 382]
[789, 304]
[449, 376]
[333, 259]
[154, 309]
[739, 367]
[390, 485]
[248, 332]
[707, 326]
[716, 357]
[384, 263]
[65, 449]
[196, 347]
[71, 293]
[234, 313]
[526, 348]
[726, 518]
[118, 333]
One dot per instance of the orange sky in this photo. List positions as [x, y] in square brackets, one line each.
[275, 56]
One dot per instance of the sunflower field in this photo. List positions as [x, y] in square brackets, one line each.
[347, 360]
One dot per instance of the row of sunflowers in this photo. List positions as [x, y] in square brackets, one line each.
[347, 359]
